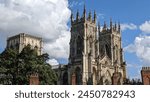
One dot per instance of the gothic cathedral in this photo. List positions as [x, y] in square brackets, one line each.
[96, 54]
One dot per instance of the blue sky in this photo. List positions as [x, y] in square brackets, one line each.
[131, 13]
[50, 19]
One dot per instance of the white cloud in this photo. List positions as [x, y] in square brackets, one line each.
[100, 16]
[45, 18]
[126, 26]
[75, 3]
[53, 62]
[130, 48]
[59, 48]
[133, 65]
[145, 27]
[141, 47]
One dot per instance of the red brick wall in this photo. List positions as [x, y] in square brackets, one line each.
[73, 79]
[145, 76]
[116, 78]
[34, 79]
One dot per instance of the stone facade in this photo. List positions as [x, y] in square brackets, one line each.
[145, 73]
[62, 74]
[21, 40]
[96, 53]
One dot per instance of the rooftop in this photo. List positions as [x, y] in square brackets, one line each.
[25, 35]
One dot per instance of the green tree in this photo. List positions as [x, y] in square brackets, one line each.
[20, 66]
[8, 64]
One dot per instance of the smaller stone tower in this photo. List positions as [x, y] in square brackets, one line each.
[18, 42]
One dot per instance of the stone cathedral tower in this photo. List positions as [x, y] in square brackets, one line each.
[96, 56]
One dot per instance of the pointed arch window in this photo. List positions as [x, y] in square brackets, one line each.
[78, 76]
[79, 46]
[94, 75]
[65, 78]
[116, 52]
[108, 51]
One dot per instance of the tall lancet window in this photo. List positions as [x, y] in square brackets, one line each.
[107, 48]
[116, 52]
[90, 44]
[79, 46]
[78, 76]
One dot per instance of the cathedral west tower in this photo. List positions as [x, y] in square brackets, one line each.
[96, 56]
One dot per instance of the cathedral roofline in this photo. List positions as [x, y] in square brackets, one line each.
[83, 18]
[114, 27]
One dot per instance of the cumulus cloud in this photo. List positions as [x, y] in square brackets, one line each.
[145, 27]
[59, 48]
[44, 18]
[141, 47]
[53, 62]
[126, 26]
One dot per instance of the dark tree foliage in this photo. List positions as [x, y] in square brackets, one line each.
[15, 68]
[133, 82]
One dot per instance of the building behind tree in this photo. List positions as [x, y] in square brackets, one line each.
[21, 40]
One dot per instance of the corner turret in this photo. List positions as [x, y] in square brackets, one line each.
[77, 16]
[94, 17]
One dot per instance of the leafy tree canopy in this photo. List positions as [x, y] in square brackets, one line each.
[16, 68]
